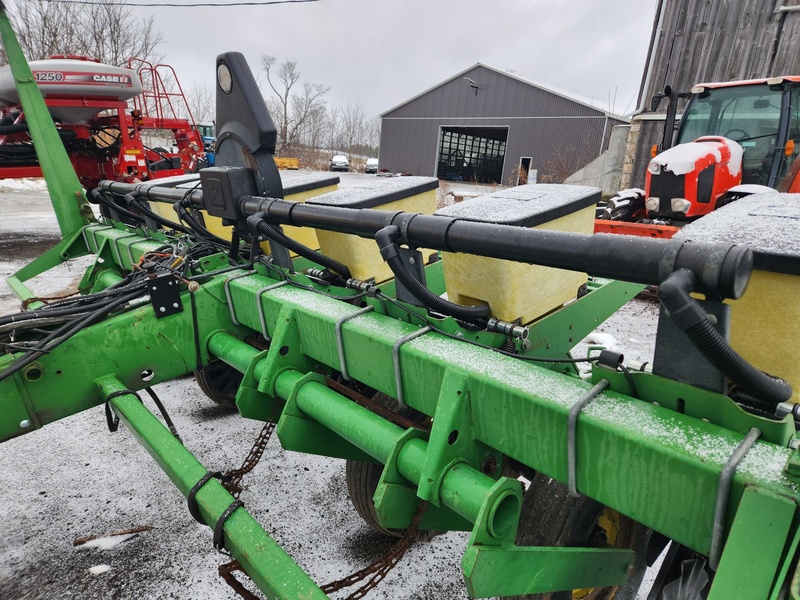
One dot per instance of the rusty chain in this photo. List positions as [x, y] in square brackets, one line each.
[375, 572]
[381, 567]
[226, 572]
[232, 480]
[371, 405]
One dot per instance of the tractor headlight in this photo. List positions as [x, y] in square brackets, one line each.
[654, 168]
[680, 205]
[652, 203]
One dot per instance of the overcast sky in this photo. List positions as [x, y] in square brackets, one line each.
[383, 52]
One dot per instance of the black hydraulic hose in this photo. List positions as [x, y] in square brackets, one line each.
[387, 242]
[75, 307]
[274, 234]
[99, 198]
[64, 333]
[14, 128]
[132, 200]
[195, 225]
[723, 270]
[687, 314]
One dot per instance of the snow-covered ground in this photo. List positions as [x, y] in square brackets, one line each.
[74, 479]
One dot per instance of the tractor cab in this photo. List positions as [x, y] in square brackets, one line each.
[762, 116]
[735, 139]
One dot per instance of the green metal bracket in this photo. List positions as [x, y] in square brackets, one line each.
[71, 246]
[251, 402]
[494, 566]
[295, 430]
[16, 406]
[498, 517]
[492, 571]
[299, 433]
[285, 352]
[451, 435]
[396, 499]
[760, 528]
[698, 403]
[69, 202]
[557, 333]
[452, 438]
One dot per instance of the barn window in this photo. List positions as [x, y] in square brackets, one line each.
[472, 154]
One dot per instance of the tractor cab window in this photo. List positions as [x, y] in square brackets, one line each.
[794, 134]
[747, 114]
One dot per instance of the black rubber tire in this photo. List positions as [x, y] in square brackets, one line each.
[202, 163]
[219, 382]
[362, 480]
[632, 212]
[551, 517]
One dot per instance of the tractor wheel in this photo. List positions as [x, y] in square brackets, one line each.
[551, 517]
[629, 208]
[202, 163]
[219, 382]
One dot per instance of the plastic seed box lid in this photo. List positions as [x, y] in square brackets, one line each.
[768, 223]
[377, 193]
[525, 205]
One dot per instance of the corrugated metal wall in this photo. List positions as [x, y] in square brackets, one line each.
[696, 41]
[549, 128]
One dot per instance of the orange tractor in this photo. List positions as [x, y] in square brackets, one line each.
[120, 123]
[735, 139]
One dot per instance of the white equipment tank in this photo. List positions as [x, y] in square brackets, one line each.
[74, 78]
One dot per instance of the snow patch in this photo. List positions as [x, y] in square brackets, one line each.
[681, 159]
[735, 161]
[773, 224]
[602, 339]
[630, 193]
[751, 188]
[28, 184]
[99, 569]
[400, 187]
[107, 543]
[523, 205]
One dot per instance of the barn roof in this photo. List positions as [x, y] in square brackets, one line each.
[588, 102]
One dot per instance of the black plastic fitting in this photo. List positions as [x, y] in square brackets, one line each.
[387, 239]
[766, 390]
[258, 223]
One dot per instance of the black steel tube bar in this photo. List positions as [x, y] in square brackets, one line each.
[155, 193]
[723, 271]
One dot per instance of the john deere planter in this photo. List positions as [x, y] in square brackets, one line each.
[323, 312]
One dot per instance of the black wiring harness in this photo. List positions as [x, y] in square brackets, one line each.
[37, 332]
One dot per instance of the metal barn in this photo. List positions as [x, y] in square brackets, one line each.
[490, 126]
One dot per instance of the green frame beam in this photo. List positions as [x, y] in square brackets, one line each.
[268, 565]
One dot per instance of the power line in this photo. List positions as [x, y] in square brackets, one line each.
[191, 5]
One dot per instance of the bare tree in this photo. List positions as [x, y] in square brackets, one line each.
[202, 102]
[106, 31]
[374, 134]
[334, 137]
[353, 127]
[293, 109]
